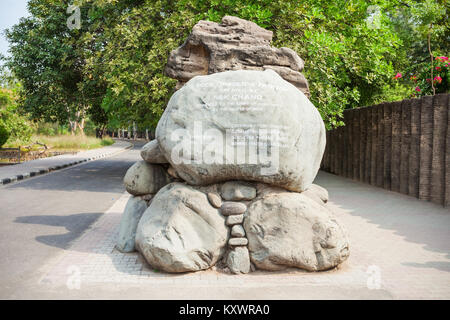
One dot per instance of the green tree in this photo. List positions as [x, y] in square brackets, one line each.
[348, 63]
[45, 55]
[12, 124]
[423, 28]
[112, 68]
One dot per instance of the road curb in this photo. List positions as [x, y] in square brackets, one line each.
[59, 167]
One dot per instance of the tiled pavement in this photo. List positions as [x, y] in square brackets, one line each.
[399, 246]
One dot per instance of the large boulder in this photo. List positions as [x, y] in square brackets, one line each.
[287, 229]
[181, 231]
[144, 178]
[234, 44]
[128, 224]
[151, 153]
[242, 125]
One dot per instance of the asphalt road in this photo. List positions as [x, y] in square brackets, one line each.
[42, 216]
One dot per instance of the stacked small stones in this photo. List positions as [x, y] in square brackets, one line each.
[236, 194]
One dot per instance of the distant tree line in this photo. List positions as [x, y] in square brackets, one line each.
[110, 70]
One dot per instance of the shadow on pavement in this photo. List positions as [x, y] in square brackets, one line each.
[75, 224]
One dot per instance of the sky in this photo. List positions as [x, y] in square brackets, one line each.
[10, 13]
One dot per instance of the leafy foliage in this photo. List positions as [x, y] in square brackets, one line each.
[112, 68]
[12, 125]
[423, 27]
[347, 62]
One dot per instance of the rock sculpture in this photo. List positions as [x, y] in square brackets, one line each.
[228, 181]
[234, 44]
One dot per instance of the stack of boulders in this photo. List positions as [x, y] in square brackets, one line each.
[228, 181]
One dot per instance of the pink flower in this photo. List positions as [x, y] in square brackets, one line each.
[443, 58]
[428, 79]
[398, 75]
[417, 89]
[437, 79]
[438, 68]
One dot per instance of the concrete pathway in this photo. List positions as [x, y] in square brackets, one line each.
[32, 168]
[400, 249]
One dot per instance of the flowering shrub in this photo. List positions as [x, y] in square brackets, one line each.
[420, 77]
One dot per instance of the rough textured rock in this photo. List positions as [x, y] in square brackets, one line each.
[236, 191]
[181, 231]
[321, 192]
[288, 229]
[151, 153]
[238, 260]
[143, 178]
[238, 242]
[214, 199]
[171, 171]
[229, 208]
[237, 219]
[237, 231]
[316, 193]
[232, 45]
[282, 133]
[130, 218]
[146, 197]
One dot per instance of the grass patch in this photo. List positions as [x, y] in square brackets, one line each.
[65, 142]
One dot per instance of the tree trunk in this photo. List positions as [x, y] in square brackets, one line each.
[81, 126]
[73, 127]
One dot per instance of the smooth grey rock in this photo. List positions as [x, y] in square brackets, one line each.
[263, 100]
[151, 153]
[214, 199]
[237, 219]
[144, 178]
[181, 231]
[238, 260]
[229, 208]
[238, 242]
[231, 45]
[237, 231]
[236, 191]
[128, 224]
[288, 229]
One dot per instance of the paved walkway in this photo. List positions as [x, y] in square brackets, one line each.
[41, 217]
[32, 168]
[400, 249]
